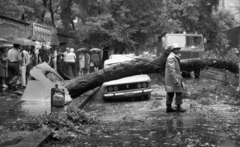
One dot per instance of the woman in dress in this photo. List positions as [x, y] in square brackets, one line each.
[54, 58]
[33, 61]
[81, 63]
[3, 66]
[71, 63]
[95, 60]
[87, 62]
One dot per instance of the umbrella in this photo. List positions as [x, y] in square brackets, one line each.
[23, 41]
[48, 47]
[3, 40]
[6, 45]
[95, 49]
[81, 49]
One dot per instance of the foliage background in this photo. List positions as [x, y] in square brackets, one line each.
[126, 25]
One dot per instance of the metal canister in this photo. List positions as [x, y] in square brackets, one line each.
[57, 97]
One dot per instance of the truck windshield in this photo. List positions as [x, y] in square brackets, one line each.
[186, 41]
[181, 40]
[194, 41]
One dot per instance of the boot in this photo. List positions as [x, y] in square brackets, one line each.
[179, 109]
[170, 109]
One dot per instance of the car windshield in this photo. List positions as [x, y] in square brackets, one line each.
[186, 41]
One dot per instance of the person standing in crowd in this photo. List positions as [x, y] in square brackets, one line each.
[3, 66]
[65, 63]
[87, 62]
[25, 61]
[33, 58]
[173, 80]
[36, 52]
[32, 61]
[81, 63]
[95, 60]
[60, 61]
[14, 58]
[71, 59]
[54, 58]
[45, 55]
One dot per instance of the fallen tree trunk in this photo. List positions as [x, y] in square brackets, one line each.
[143, 65]
[190, 65]
[140, 65]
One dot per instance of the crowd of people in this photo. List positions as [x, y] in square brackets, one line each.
[85, 60]
[17, 61]
[15, 64]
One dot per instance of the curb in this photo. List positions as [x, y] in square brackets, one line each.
[35, 139]
[38, 138]
[88, 99]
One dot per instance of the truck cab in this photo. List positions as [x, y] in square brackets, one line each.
[192, 47]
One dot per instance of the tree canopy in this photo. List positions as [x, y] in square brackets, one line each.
[124, 24]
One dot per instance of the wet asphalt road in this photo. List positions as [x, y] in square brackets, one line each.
[144, 123]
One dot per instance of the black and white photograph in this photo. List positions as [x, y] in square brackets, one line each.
[119, 73]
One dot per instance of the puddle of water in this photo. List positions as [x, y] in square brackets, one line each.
[10, 111]
[192, 128]
[172, 130]
[38, 108]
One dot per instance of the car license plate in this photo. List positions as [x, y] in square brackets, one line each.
[128, 94]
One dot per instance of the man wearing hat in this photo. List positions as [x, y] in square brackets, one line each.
[173, 80]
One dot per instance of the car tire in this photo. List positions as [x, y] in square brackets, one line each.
[197, 73]
[147, 97]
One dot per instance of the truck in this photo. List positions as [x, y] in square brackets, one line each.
[192, 47]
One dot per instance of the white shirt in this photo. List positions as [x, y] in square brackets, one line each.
[70, 57]
[14, 55]
[26, 57]
[55, 55]
[65, 56]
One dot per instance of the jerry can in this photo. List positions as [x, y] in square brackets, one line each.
[57, 97]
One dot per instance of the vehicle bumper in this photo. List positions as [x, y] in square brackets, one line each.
[128, 94]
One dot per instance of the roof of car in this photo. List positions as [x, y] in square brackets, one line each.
[121, 55]
[119, 59]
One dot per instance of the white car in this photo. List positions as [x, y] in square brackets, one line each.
[132, 86]
[114, 56]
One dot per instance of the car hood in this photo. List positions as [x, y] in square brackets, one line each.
[130, 79]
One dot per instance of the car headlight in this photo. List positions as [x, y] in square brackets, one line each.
[115, 88]
[144, 85]
[139, 85]
[110, 89]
